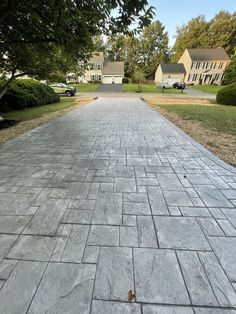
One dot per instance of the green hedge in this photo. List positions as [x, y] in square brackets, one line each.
[24, 93]
[227, 95]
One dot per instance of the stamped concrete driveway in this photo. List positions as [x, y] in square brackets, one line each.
[112, 197]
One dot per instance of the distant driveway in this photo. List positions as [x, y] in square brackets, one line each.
[110, 88]
[195, 93]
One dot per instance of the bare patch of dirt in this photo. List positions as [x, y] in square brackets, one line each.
[221, 144]
[25, 126]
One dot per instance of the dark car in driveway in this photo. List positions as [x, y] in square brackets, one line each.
[179, 85]
[63, 89]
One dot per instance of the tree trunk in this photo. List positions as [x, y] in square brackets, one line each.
[3, 90]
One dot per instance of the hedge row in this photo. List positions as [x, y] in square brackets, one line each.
[227, 95]
[24, 93]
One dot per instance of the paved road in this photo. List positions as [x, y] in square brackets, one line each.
[192, 92]
[110, 88]
[112, 197]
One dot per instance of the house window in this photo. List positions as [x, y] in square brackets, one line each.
[203, 66]
[192, 65]
[211, 65]
[215, 65]
[99, 77]
[207, 65]
[93, 77]
[189, 77]
[99, 66]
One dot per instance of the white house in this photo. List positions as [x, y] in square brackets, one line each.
[170, 73]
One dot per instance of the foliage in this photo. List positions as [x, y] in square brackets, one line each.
[41, 37]
[227, 95]
[125, 80]
[143, 51]
[230, 72]
[138, 77]
[36, 112]
[27, 93]
[153, 48]
[199, 33]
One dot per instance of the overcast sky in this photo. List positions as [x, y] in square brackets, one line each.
[173, 13]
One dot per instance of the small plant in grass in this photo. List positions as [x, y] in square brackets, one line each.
[138, 78]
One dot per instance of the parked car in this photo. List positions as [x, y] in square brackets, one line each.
[63, 89]
[164, 85]
[179, 85]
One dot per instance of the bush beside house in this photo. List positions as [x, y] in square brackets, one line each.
[227, 95]
[27, 93]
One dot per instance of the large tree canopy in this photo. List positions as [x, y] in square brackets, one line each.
[199, 33]
[142, 52]
[33, 32]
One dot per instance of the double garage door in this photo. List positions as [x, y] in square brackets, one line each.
[110, 79]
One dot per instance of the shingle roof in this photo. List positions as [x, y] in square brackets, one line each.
[114, 68]
[97, 58]
[201, 54]
[172, 68]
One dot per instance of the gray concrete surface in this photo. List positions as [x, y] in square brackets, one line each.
[112, 197]
[110, 88]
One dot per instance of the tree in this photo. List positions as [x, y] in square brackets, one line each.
[138, 78]
[32, 31]
[99, 43]
[230, 72]
[191, 35]
[198, 33]
[222, 31]
[116, 47]
[153, 48]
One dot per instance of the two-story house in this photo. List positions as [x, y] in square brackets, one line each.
[204, 65]
[97, 70]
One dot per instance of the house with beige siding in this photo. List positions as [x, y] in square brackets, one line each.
[204, 65]
[97, 70]
[170, 73]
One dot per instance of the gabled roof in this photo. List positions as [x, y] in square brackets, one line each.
[97, 58]
[201, 54]
[172, 68]
[113, 68]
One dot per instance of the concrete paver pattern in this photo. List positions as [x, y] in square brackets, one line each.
[112, 197]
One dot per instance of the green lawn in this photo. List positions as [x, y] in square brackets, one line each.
[219, 117]
[85, 87]
[36, 112]
[148, 88]
[212, 89]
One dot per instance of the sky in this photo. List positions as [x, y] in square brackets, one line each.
[173, 13]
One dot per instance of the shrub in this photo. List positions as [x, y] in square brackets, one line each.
[125, 80]
[227, 95]
[27, 93]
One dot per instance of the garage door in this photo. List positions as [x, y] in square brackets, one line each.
[117, 79]
[107, 79]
